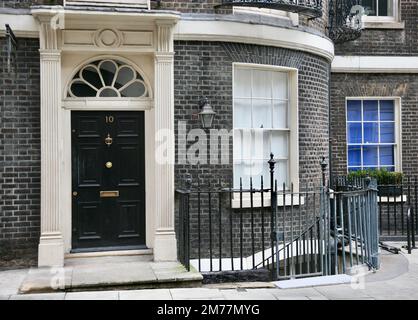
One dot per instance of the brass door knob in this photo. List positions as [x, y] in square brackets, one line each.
[109, 165]
[75, 193]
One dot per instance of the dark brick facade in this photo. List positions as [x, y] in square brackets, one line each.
[370, 85]
[20, 152]
[387, 42]
[205, 68]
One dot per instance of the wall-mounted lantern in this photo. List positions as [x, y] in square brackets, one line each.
[206, 114]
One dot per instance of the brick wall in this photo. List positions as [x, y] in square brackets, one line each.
[388, 41]
[380, 85]
[205, 68]
[20, 151]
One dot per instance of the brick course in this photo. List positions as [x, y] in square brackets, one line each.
[20, 151]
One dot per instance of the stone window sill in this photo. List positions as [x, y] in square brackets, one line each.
[403, 198]
[384, 25]
[246, 201]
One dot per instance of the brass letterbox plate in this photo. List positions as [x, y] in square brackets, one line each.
[109, 194]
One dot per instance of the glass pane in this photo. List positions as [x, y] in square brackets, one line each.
[261, 84]
[385, 8]
[91, 75]
[247, 144]
[237, 145]
[281, 173]
[370, 6]
[261, 140]
[370, 112]
[262, 113]
[108, 93]
[108, 70]
[370, 156]
[387, 132]
[354, 110]
[354, 156]
[387, 156]
[371, 132]
[280, 117]
[242, 113]
[238, 173]
[279, 141]
[257, 169]
[125, 75]
[354, 169]
[354, 133]
[81, 89]
[135, 90]
[387, 110]
[242, 83]
[391, 169]
[266, 144]
[280, 85]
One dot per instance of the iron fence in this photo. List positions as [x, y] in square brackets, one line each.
[291, 233]
[394, 203]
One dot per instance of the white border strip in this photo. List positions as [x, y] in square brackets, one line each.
[234, 31]
[23, 25]
[375, 64]
[212, 30]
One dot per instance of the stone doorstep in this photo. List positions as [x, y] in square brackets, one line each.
[84, 278]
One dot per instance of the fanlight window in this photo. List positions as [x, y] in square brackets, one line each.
[107, 79]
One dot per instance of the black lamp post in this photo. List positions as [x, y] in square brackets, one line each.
[207, 114]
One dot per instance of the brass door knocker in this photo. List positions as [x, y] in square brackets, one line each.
[108, 140]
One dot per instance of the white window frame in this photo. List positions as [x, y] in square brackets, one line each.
[398, 127]
[385, 22]
[293, 126]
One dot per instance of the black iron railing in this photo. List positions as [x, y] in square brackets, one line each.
[310, 8]
[288, 233]
[394, 201]
[345, 20]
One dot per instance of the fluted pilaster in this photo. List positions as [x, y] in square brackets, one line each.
[51, 249]
[165, 248]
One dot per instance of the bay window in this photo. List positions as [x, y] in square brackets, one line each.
[265, 121]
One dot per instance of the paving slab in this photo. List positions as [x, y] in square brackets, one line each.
[46, 280]
[4, 297]
[343, 292]
[314, 281]
[93, 295]
[11, 280]
[196, 294]
[41, 296]
[146, 294]
[254, 294]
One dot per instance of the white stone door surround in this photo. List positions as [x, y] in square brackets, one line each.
[69, 38]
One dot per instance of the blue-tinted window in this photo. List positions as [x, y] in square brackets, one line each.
[387, 132]
[370, 110]
[371, 132]
[354, 133]
[354, 156]
[387, 110]
[370, 156]
[387, 157]
[354, 110]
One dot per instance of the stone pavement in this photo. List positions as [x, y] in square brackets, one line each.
[397, 279]
[99, 273]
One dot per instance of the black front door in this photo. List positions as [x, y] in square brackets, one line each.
[108, 180]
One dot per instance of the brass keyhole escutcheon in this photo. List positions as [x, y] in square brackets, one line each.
[108, 140]
[109, 165]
